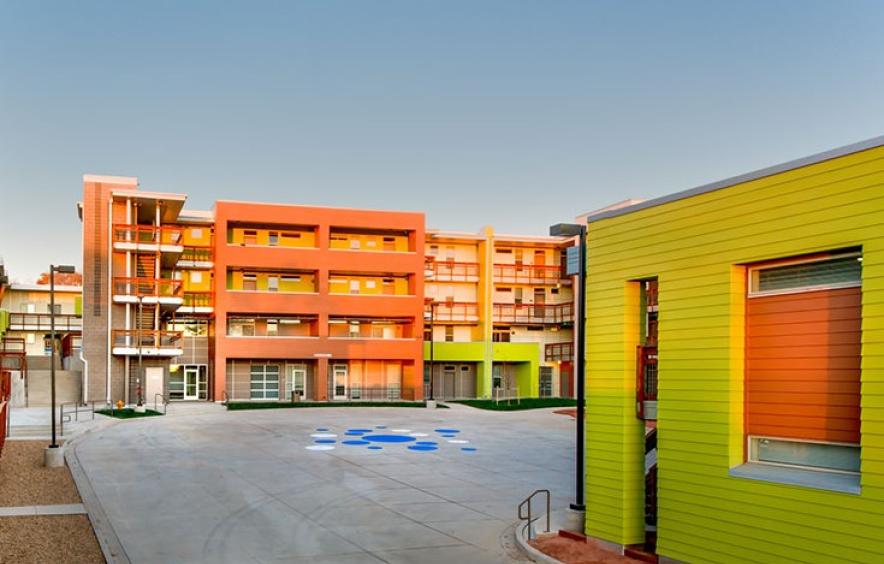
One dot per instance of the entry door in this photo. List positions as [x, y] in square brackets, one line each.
[296, 381]
[449, 373]
[191, 382]
[539, 303]
[339, 378]
[540, 258]
[153, 382]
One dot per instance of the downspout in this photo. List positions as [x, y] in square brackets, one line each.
[109, 303]
[85, 375]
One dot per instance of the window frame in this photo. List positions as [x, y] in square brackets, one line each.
[753, 270]
[752, 458]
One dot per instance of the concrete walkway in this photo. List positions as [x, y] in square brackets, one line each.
[31, 510]
[218, 486]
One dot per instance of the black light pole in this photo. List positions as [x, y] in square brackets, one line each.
[52, 270]
[577, 230]
[432, 305]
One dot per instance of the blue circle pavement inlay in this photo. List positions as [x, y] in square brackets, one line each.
[355, 442]
[447, 431]
[427, 443]
[448, 436]
[324, 441]
[322, 429]
[376, 447]
[468, 449]
[422, 448]
[388, 438]
[359, 431]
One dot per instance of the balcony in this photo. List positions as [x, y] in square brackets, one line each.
[197, 302]
[370, 328]
[64, 323]
[164, 239]
[451, 271]
[534, 314]
[563, 352]
[455, 312]
[147, 343]
[196, 257]
[529, 274]
[12, 346]
[163, 291]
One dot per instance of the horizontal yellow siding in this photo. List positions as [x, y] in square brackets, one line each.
[695, 247]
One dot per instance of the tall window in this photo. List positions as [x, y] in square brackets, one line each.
[803, 338]
[264, 381]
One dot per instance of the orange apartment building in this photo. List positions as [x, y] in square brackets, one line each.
[249, 302]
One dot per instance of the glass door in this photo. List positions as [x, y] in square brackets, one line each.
[339, 376]
[191, 377]
[296, 381]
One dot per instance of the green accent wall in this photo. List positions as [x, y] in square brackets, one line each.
[4, 321]
[525, 357]
[78, 305]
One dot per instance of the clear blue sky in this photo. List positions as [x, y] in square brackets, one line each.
[511, 113]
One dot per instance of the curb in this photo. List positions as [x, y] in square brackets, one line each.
[532, 553]
[113, 550]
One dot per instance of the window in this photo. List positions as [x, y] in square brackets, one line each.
[501, 335]
[29, 308]
[264, 381]
[190, 327]
[57, 308]
[273, 239]
[250, 282]
[354, 286]
[353, 330]
[434, 249]
[250, 237]
[805, 454]
[240, 327]
[504, 251]
[842, 271]
[803, 363]
[196, 277]
[449, 333]
[272, 327]
[196, 233]
[273, 283]
[354, 244]
[496, 376]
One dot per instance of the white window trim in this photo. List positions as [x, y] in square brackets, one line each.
[753, 459]
[752, 272]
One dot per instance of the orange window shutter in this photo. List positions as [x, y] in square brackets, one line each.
[803, 365]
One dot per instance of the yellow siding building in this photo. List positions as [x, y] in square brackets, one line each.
[719, 500]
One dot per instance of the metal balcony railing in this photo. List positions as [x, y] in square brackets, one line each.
[12, 345]
[528, 274]
[551, 314]
[198, 299]
[454, 311]
[147, 339]
[148, 287]
[197, 254]
[452, 271]
[147, 234]
[559, 351]
[42, 322]
[371, 393]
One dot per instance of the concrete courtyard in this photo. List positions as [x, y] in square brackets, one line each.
[206, 485]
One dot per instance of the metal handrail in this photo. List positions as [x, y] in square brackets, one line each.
[530, 520]
[66, 415]
[165, 402]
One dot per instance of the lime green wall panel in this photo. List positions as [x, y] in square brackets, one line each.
[525, 357]
[697, 247]
[4, 321]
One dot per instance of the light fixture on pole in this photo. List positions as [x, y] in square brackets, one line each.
[432, 304]
[52, 455]
[577, 230]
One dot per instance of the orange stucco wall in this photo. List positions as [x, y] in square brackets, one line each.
[323, 260]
